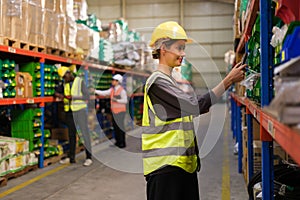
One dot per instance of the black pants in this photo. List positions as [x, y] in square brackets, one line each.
[78, 119]
[174, 185]
[119, 128]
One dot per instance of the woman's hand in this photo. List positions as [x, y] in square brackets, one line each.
[237, 73]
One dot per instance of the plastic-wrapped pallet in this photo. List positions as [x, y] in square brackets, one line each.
[15, 145]
[13, 14]
[106, 52]
[36, 18]
[80, 10]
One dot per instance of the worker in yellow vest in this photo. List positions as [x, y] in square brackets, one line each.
[118, 101]
[169, 145]
[75, 95]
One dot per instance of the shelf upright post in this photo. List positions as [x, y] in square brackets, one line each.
[250, 143]
[234, 108]
[239, 136]
[232, 117]
[42, 105]
[266, 68]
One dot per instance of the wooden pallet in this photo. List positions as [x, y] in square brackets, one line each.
[54, 51]
[65, 54]
[15, 43]
[53, 160]
[92, 60]
[4, 179]
[122, 66]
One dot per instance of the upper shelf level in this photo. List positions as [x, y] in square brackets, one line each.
[85, 63]
[286, 137]
[254, 8]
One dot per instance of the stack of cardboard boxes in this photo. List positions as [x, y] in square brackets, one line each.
[48, 23]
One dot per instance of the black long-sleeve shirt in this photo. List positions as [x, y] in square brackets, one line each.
[171, 102]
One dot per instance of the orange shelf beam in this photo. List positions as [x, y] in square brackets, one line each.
[286, 137]
[34, 100]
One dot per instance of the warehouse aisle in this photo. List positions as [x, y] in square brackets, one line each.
[118, 177]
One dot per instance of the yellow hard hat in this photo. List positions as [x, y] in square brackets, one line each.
[171, 30]
[62, 71]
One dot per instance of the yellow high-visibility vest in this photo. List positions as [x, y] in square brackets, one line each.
[167, 142]
[75, 105]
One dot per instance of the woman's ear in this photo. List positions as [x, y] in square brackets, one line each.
[163, 49]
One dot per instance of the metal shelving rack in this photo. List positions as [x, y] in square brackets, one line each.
[270, 128]
[43, 57]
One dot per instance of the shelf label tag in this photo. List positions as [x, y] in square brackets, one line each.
[69, 60]
[271, 128]
[30, 101]
[11, 50]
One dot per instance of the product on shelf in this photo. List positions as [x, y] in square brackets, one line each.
[288, 10]
[26, 124]
[290, 47]
[7, 75]
[50, 77]
[286, 104]
[23, 85]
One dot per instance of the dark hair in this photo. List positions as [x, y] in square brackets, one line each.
[156, 53]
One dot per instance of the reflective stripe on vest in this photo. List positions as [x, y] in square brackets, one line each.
[166, 142]
[75, 91]
[115, 106]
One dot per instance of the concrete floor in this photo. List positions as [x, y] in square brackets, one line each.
[116, 174]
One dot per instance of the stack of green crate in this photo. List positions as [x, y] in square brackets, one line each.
[254, 47]
[7, 75]
[103, 81]
[50, 80]
[26, 124]
[49, 150]
[50, 77]
[253, 61]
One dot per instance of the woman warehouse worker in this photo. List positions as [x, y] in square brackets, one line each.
[169, 145]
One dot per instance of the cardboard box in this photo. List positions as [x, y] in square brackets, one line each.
[36, 18]
[83, 37]
[61, 6]
[50, 28]
[23, 85]
[80, 10]
[71, 32]
[60, 133]
[60, 36]
[13, 19]
[50, 5]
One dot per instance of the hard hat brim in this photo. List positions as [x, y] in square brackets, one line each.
[187, 41]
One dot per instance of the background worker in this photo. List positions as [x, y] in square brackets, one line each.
[118, 101]
[75, 96]
[169, 145]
